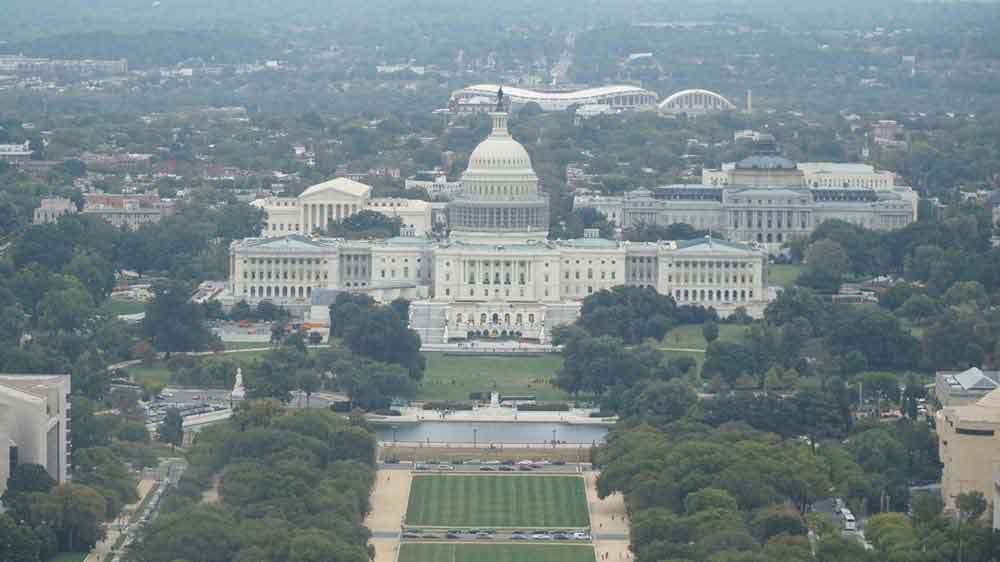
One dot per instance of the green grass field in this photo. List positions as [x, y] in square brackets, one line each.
[157, 369]
[689, 336]
[497, 501]
[453, 377]
[783, 275]
[502, 552]
[70, 557]
[124, 307]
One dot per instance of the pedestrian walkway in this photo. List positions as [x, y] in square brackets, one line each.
[608, 522]
[388, 508]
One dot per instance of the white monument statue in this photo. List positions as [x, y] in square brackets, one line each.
[238, 393]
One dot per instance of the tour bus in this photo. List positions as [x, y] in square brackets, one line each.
[848, 519]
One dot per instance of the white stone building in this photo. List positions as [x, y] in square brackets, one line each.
[766, 198]
[335, 200]
[34, 424]
[435, 182]
[497, 275]
[51, 209]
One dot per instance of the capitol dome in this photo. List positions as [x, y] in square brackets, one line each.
[499, 198]
[499, 157]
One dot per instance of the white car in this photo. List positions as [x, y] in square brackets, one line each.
[581, 536]
[542, 537]
[525, 463]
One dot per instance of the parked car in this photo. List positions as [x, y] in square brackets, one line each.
[507, 462]
[411, 536]
[452, 536]
[429, 536]
[580, 535]
[487, 469]
[445, 467]
[484, 536]
[524, 467]
[542, 537]
[518, 537]
[506, 469]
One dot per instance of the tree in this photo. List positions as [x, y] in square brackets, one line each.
[25, 480]
[172, 428]
[383, 336]
[371, 385]
[662, 401]
[970, 292]
[173, 322]
[826, 265]
[309, 383]
[728, 360]
[365, 224]
[710, 330]
[926, 508]
[95, 272]
[267, 378]
[971, 505]
[201, 533]
[18, 543]
[644, 232]
[709, 498]
[74, 512]
[630, 313]
[65, 310]
[919, 308]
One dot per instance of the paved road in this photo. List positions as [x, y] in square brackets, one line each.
[382, 534]
[221, 396]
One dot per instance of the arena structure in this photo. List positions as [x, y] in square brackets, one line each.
[695, 102]
[618, 97]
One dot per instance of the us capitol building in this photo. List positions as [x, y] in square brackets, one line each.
[496, 275]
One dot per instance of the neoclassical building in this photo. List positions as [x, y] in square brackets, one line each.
[335, 200]
[497, 274]
[766, 198]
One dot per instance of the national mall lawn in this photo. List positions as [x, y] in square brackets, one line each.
[521, 501]
[503, 552]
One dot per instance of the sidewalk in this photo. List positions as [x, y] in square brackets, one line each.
[120, 523]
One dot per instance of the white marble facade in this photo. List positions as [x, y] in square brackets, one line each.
[496, 275]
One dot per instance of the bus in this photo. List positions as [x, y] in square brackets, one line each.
[847, 518]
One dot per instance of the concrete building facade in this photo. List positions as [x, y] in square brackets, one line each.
[34, 424]
[969, 444]
[767, 199]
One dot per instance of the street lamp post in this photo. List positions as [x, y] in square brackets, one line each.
[394, 429]
[553, 438]
[475, 431]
